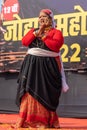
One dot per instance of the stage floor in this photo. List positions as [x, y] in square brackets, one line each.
[65, 123]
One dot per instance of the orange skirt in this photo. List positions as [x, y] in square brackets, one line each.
[34, 114]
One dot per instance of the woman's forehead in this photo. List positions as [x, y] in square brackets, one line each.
[42, 13]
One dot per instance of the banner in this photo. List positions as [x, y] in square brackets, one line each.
[18, 16]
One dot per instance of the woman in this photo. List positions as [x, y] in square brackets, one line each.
[40, 81]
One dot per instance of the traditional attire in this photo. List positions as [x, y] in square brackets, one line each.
[40, 81]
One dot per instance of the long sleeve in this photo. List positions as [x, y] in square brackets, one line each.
[28, 38]
[54, 40]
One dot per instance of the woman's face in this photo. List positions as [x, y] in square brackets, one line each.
[44, 19]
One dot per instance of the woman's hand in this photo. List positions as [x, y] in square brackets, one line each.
[41, 29]
[40, 32]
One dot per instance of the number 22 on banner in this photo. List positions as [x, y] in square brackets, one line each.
[75, 55]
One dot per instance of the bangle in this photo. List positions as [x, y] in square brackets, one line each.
[43, 36]
[35, 33]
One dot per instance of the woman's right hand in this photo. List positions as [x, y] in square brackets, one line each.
[41, 29]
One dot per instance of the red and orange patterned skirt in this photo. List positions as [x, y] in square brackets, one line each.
[33, 114]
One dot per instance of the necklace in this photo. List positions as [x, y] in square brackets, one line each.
[47, 29]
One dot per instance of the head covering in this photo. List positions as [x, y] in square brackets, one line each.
[50, 13]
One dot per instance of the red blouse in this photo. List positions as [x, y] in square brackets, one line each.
[53, 40]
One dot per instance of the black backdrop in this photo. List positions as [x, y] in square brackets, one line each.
[70, 17]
